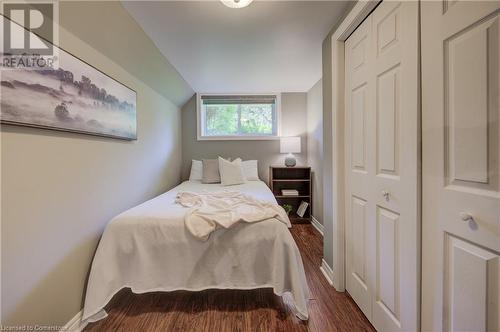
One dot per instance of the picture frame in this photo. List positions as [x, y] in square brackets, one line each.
[301, 210]
[75, 97]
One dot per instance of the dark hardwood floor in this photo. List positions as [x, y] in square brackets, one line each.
[227, 310]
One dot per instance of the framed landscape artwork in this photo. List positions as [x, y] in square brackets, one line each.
[75, 97]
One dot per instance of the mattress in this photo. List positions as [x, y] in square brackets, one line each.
[148, 248]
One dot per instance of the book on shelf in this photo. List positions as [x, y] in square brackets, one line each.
[290, 192]
[302, 209]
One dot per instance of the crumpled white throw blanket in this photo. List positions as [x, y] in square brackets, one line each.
[211, 210]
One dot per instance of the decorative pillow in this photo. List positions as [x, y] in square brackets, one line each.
[231, 173]
[250, 170]
[210, 171]
[196, 170]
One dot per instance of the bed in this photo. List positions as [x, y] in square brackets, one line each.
[148, 248]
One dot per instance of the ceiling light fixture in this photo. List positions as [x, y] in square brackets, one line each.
[236, 3]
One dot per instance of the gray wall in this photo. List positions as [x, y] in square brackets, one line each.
[315, 145]
[293, 123]
[59, 190]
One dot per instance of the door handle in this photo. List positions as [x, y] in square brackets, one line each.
[465, 216]
[386, 194]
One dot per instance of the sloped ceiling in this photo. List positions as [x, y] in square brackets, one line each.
[108, 27]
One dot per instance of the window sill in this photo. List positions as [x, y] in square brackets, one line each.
[238, 138]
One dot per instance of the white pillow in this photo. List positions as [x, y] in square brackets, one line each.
[250, 170]
[231, 173]
[196, 170]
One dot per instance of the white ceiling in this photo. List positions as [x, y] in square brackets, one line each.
[269, 46]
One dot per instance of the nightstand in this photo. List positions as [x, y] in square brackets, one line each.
[298, 178]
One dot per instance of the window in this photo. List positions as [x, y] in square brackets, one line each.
[238, 117]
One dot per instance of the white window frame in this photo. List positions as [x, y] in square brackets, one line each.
[199, 121]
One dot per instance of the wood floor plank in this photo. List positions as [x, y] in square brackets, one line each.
[239, 311]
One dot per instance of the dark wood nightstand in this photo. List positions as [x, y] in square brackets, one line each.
[299, 178]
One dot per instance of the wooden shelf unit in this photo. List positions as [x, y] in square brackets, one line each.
[299, 178]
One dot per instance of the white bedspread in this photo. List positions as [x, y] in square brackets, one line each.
[211, 210]
[148, 248]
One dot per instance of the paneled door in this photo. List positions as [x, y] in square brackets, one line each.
[461, 166]
[381, 135]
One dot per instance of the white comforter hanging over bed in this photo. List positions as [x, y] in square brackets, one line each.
[148, 248]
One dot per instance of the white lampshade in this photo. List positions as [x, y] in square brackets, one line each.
[236, 3]
[290, 144]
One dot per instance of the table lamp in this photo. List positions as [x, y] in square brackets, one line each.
[290, 145]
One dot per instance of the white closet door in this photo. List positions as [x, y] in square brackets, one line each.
[359, 231]
[461, 166]
[382, 166]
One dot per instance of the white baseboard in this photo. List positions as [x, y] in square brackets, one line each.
[327, 271]
[75, 324]
[319, 227]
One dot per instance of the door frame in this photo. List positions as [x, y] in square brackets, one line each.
[336, 209]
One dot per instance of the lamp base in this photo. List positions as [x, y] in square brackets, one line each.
[290, 162]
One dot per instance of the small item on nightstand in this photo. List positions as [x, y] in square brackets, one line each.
[289, 192]
[288, 208]
[302, 209]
